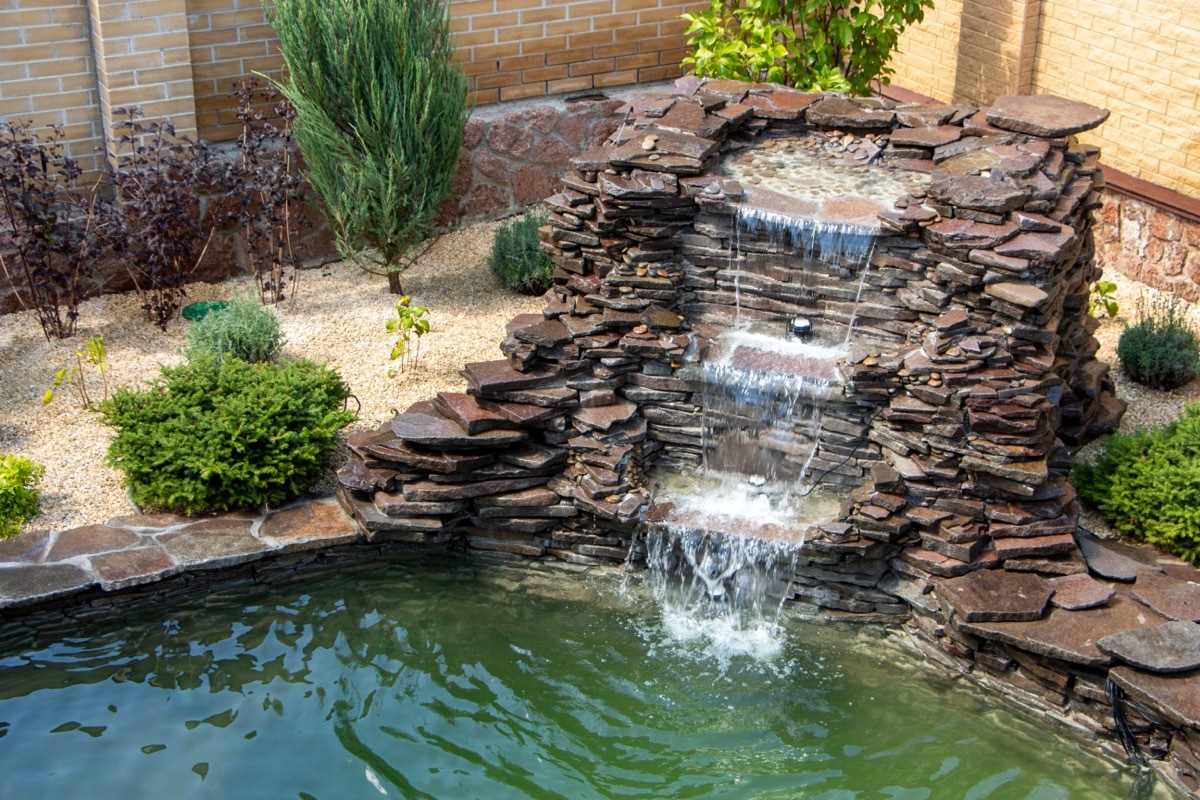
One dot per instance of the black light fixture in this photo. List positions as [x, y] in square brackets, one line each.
[799, 328]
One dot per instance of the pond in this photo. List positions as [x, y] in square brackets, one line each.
[451, 678]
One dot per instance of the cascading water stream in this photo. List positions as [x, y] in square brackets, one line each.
[722, 562]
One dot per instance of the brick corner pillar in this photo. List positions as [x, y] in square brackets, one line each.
[143, 59]
[997, 49]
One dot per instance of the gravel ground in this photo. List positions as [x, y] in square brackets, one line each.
[1148, 408]
[337, 316]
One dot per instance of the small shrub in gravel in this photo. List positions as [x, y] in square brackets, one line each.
[244, 330]
[1147, 485]
[211, 436]
[1161, 350]
[517, 258]
[18, 492]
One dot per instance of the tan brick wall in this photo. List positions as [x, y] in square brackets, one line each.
[47, 72]
[1138, 58]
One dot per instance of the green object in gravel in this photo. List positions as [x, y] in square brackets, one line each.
[193, 312]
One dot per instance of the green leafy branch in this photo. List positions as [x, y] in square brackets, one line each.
[94, 354]
[410, 322]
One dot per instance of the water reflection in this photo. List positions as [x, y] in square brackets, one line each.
[447, 679]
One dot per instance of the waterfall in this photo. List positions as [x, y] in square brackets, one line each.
[722, 561]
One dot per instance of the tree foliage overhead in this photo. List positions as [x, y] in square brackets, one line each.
[380, 110]
[815, 45]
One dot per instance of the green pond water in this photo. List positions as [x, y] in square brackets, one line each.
[448, 678]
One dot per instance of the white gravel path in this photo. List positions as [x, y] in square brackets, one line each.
[337, 316]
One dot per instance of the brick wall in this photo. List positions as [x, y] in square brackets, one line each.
[47, 72]
[1138, 58]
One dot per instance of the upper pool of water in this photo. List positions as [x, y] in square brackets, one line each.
[446, 678]
[816, 167]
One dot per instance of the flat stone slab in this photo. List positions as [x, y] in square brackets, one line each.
[29, 548]
[429, 430]
[1070, 635]
[926, 137]
[1176, 696]
[603, 418]
[1106, 562]
[308, 525]
[212, 546]
[836, 112]
[1045, 115]
[997, 596]
[526, 498]
[1024, 295]
[487, 377]
[428, 491]
[25, 585]
[1026, 546]
[1174, 599]
[1173, 647]
[466, 412]
[127, 568]
[88, 540]
[1079, 591]
[978, 193]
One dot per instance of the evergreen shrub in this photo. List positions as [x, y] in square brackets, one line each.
[1161, 350]
[517, 258]
[380, 104]
[1147, 485]
[18, 492]
[211, 436]
[243, 330]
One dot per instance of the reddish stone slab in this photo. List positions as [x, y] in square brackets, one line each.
[996, 596]
[499, 376]
[1174, 599]
[126, 568]
[29, 547]
[90, 539]
[466, 412]
[196, 547]
[309, 522]
[1079, 591]
[1070, 635]
[25, 585]
[430, 430]
[1045, 115]
[925, 136]
[836, 112]
[1176, 696]
[605, 417]
[1173, 647]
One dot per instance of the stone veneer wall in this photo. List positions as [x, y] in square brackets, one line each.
[1149, 244]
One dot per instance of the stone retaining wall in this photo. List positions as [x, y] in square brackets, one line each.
[1149, 244]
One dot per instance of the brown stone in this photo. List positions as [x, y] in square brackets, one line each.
[1070, 635]
[124, 568]
[90, 539]
[428, 491]
[925, 136]
[533, 182]
[484, 201]
[1026, 546]
[1039, 248]
[603, 418]
[196, 547]
[24, 585]
[996, 596]
[487, 377]
[836, 112]
[539, 496]
[1174, 599]
[509, 138]
[29, 547]
[979, 193]
[465, 411]
[1080, 591]
[1102, 560]
[1173, 647]
[1025, 295]
[1177, 697]
[319, 523]
[1044, 115]
[780, 104]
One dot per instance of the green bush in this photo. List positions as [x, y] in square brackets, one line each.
[244, 330]
[18, 496]
[840, 45]
[517, 258]
[1147, 485]
[1161, 350]
[380, 105]
[213, 436]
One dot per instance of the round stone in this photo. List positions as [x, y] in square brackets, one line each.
[1045, 115]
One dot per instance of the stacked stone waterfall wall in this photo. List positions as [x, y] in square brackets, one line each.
[953, 431]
